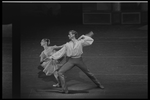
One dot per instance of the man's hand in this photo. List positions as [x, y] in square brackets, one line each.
[54, 46]
[90, 34]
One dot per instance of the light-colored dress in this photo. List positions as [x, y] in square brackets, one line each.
[50, 66]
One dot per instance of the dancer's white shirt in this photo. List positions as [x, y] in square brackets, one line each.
[73, 50]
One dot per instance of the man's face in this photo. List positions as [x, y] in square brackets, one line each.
[71, 35]
[43, 43]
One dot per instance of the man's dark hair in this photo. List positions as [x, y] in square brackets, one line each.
[74, 32]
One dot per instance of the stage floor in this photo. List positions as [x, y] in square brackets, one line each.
[118, 59]
[113, 89]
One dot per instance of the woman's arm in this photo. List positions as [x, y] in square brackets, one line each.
[57, 47]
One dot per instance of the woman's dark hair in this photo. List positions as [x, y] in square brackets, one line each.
[74, 32]
[47, 40]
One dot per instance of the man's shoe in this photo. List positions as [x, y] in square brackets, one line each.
[100, 86]
[64, 91]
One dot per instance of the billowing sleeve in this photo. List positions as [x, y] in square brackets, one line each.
[86, 40]
[60, 53]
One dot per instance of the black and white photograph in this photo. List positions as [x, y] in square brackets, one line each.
[75, 49]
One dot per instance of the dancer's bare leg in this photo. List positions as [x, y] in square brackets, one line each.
[57, 78]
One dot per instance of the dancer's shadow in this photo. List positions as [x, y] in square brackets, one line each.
[85, 88]
[56, 90]
[76, 91]
[73, 74]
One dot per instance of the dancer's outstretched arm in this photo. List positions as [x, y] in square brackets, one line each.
[59, 53]
[57, 47]
[86, 39]
[90, 34]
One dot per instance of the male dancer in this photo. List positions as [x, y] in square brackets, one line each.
[73, 50]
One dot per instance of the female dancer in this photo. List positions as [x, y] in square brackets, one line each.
[49, 66]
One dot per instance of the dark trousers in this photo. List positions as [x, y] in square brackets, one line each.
[69, 65]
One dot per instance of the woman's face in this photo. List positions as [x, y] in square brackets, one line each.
[43, 42]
